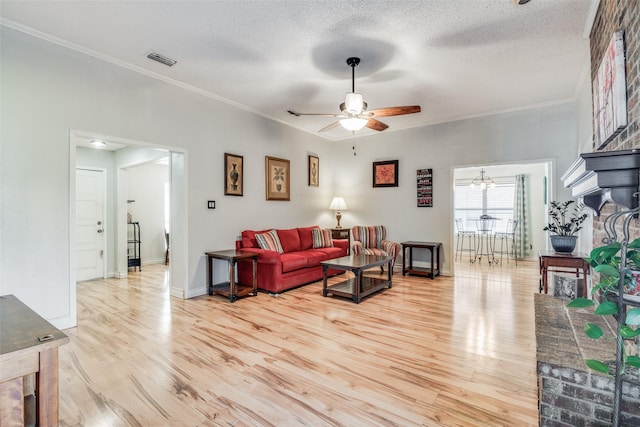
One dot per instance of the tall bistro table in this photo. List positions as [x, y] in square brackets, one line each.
[28, 345]
[563, 262]
[231, 289]
[359, 286]
[433, 247]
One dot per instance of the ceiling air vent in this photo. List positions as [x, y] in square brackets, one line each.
[155, 56]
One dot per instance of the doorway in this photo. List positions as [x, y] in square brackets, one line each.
[536, 176]
[127, 153]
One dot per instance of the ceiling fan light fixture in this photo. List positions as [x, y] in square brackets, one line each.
[353, 123]
[353, 103]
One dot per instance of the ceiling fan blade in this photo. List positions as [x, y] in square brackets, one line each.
[395, 111]
[295, 113]
[376, 125]
[329, 127]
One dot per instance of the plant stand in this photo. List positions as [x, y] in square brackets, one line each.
[612, 237]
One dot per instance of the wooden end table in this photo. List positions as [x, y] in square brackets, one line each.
[342, 233]
[231, 289]
[358, 287]
[28, 344]
[561, 262]
[433, 247]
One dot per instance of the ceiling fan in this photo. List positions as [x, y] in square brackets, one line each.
[354, 115]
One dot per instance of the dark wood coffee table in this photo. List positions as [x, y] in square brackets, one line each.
[358, 287]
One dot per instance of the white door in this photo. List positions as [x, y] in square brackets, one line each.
[90, 243]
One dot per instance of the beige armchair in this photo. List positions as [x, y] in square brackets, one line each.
[371, 240]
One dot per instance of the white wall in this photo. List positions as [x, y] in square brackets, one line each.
[48, 90]
[525, 136]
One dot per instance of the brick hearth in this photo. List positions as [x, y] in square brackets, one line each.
[569, 393]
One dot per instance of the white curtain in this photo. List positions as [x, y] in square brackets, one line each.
[521, 213]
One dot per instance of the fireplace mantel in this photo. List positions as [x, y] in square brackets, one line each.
[605, 176]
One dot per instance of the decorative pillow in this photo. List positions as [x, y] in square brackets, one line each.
[269, 241]
[322, 238]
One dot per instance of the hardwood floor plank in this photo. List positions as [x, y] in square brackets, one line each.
[454, 351]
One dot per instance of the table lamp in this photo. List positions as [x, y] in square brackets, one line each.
[338, 204]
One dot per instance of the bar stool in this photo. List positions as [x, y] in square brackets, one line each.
[508, 234]
[462, 233]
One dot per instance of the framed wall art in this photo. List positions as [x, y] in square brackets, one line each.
[277, 179]
[385, 174]
[610, 94]
[233, 175]
[425, 188]
[314, 171]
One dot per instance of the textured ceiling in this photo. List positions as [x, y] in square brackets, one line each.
[457, 59]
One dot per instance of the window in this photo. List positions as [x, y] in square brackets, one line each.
[498, 202]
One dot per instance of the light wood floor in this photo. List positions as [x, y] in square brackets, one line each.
[448, 352]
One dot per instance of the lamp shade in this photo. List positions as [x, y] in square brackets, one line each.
[338, 204]
[353, 123]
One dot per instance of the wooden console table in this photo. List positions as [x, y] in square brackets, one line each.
[28, 345]
[433, 247]
[561, 262]
[231, 289]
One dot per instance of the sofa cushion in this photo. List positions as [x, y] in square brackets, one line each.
[322, 238]
[331, 253]
[269, 241]
[290, 240]
[249, 238]
[313, 257]
[293, 261]
[306, 237]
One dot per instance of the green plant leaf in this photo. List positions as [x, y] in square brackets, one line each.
[597, 365]
[606, 308]
[580, 303]
[635, 244]
[628, 333]
[607, 270]
[593, 331]
[633, 317]
[633, 361]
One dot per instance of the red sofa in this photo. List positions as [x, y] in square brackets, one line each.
[298, 265]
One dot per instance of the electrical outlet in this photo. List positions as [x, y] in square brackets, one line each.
[211, 204]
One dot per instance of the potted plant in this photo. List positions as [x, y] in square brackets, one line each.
[278, 175]
[566, 221]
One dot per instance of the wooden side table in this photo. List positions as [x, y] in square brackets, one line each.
[231, 289]
[28, 345]
[342, 233]
[561, 262]
[433, 247]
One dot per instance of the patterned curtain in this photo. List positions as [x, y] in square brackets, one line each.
[523, 241]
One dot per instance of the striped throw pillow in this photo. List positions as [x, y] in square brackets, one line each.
[322, 238]
[269, 241]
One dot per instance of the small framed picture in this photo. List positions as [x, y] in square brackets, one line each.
[314, 171]
[233, 179]
[385, 174]
[277, 179]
